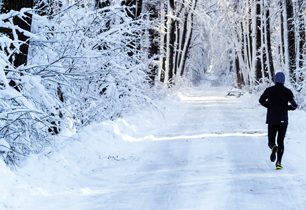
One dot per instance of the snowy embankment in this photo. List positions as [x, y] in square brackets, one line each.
[201, 150]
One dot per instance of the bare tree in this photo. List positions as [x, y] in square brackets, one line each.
[163, 41]
[289, 39]
[300, 42]
[186, 36]
[152, 7]
[257, 41]
[266, 48]
[170, 40]
[176, 37]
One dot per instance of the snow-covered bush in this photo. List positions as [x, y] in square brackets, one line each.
[26, 111]
[79, 67]
[90, 61]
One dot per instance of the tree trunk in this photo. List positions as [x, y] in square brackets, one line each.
[291, 41]
[176, 35]
[189, 36]
[239, 78]
[163, 41]
[180, 30]
[301, 41]
[258, 65]
[281, 47]
[154, 36]
[267, 52]
[246, 36]
[20, 57]
[269, 46]
[249, 35]
[170, 42]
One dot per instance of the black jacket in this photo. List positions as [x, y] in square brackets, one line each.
[278, 100]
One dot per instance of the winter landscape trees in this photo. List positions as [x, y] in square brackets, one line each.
[269, 37]
[83, 65]
[67, 63]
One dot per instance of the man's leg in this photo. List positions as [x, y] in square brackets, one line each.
[272, 129]
[280, 141]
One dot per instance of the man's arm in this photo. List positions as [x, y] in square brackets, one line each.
[263, 99]
[293, 105]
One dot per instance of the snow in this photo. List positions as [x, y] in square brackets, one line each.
[201, 150]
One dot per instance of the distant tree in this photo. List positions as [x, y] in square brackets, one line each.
[184, 35]
[281, 44]
[176, 35]
[152, 8]
[171, 36]
[268, 57]
[289, 39]
[257, 27]
[264, 62]
[244, 57]
[163, 40]
[300, 42]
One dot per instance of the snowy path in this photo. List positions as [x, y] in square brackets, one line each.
[208, 152]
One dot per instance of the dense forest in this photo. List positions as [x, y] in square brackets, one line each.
[68, 63]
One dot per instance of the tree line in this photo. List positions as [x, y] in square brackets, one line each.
[270, 36]
[77, 62]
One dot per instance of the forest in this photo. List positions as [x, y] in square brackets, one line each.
[65, 64]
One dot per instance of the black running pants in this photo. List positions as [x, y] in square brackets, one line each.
[280, 131]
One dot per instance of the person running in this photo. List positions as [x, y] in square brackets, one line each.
[278, 99]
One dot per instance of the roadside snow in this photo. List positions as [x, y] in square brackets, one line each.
[200, 150]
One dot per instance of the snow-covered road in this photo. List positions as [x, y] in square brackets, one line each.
[207, 151]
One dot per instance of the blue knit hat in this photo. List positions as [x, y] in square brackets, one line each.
[279, 78]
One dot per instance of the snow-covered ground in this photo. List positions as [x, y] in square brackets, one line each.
[200, 150]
